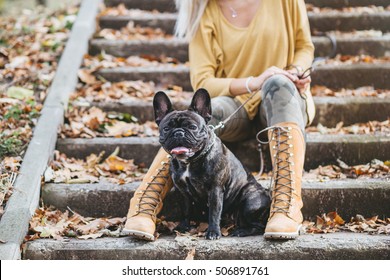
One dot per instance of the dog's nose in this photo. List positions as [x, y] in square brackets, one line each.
[178, 134]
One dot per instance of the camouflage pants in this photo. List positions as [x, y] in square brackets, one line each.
[281, 102]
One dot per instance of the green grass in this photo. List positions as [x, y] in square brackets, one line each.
[10, 145]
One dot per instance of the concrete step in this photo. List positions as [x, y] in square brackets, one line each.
[347, 3]
[367, 197]
[149, 5]
[326, 21]
[168, 5]
[332, 76]
[374, 46]
[320, 149]
[329, 110]
[320, 246]
[344, 21]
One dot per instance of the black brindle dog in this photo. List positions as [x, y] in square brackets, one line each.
[206, 172]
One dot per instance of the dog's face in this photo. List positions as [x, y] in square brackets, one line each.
[183, 133]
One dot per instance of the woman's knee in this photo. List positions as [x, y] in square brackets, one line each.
[278, 84]
[281, 102]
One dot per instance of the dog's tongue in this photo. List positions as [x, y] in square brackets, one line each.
[180, 150]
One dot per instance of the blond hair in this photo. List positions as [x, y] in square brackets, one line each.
[189, 14]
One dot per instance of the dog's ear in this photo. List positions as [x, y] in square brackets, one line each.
[201, 104]
[162, 106]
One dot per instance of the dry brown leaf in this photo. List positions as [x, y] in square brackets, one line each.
[333, 216]
[86, 76]
[191, 254]
[91, 236]
[120, 129]
[225, 231]
[115, 163]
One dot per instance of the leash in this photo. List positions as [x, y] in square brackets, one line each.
[222, 124]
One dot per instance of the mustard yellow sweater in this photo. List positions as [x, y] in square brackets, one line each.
[278, 35]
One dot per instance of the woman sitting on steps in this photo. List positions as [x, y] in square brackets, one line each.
[237, 47]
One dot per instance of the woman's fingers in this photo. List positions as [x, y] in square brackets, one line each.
[302, 84]
[275, 70]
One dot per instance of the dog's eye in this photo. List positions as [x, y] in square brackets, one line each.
[166, 128]
[193, 127]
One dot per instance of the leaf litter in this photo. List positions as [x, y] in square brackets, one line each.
[93, 169]
[332, 222]
[94, 122]
[121, 10]
[132, 32]
[368, 128]
[49, 222]
[30, 47]
[376, 169]
[124, 92]
[321, 91]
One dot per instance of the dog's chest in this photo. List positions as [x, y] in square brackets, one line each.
[188, 181]
[185, 175]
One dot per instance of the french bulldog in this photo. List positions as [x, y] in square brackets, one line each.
[206, 172]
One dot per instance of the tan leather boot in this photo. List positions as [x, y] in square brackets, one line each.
[287, 147]
[148, 199]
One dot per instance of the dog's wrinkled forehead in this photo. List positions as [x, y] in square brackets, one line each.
[178, 118]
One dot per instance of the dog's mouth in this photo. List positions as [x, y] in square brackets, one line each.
[182, 152]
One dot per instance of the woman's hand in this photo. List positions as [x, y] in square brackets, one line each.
[301, 84]
[259, 80]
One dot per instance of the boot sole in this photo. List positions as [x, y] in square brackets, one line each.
[282, 235]
[139, 234]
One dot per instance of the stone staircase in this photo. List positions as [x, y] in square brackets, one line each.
[349, 197]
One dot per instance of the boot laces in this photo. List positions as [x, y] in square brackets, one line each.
[151, 196]
[281, 180]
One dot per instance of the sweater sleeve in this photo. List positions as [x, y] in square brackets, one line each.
[205, 57]
[304, 48]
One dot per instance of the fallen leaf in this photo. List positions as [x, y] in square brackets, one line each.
[90, 236]
[115, 163]
[86, 76]
[19, 92]
[190, 254]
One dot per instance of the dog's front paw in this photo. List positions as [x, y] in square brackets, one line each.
[213, 233]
